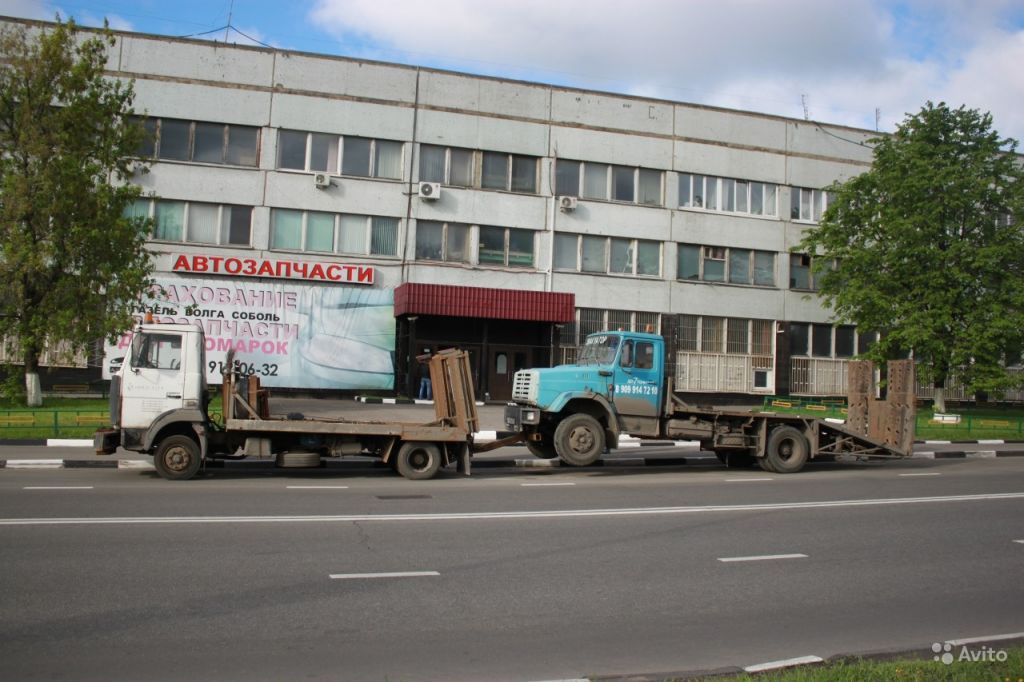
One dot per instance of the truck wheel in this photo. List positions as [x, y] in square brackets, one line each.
[177, 458]
[579, 440]
[766, 465]
[418, 461]
[787, 450]
[544, 449]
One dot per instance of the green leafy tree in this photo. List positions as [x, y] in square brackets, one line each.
[924, 248]
[71, 263]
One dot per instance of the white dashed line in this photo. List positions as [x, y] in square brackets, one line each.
[543, 485]
[374, 576]
[58, 487]
[927, 474]
[317, 487]
[765, 557]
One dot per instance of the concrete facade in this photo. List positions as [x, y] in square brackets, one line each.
[646, 147]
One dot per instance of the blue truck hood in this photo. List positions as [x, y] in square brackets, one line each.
[556, 382]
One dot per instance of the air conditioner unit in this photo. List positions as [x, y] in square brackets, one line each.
[321, 180]
[567, 203]
[431, 191]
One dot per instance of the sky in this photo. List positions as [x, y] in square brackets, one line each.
[861, 63]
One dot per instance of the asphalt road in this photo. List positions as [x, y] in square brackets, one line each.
[508, 575]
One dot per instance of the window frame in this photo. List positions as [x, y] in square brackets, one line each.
[728, 195]
[339, 153]
[224, 221]
[706, 252]
[152, 145]
[336, 237]
[608, 244]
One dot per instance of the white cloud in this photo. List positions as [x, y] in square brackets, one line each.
[847, 58]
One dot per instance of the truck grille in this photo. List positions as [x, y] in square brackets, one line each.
[524, 386]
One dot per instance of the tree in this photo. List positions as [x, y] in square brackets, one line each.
[924, 248]
[72, 264]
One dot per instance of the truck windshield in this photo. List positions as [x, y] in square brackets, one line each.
[599, 350]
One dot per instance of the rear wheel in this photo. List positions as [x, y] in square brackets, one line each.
[579, 440]
[787, 450]
[418, 461]
[177, 458]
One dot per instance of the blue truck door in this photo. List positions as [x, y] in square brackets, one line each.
[638, 378]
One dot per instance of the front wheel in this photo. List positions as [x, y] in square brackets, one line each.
[177, 458]
[787, 450]
[418, 461]
[579, 440]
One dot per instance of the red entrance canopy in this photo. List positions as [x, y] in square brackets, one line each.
[500, 304]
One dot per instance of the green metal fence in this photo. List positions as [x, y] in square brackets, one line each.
[51, 423]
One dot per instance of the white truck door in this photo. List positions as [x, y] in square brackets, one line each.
[152, 380]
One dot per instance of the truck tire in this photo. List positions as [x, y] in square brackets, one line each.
[177, 458]
[579, 440]
[418, 461]
[787, 450]
[544, 449]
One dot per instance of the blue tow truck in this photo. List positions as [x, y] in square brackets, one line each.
[619, 386]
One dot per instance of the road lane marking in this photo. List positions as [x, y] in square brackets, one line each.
[543, 485]
[746, 480]
[927, 474]
[58, 487]
[480, 516]
[775, 665]
[317, 487]
[1019, 542]
[373, 576]
[763, 557]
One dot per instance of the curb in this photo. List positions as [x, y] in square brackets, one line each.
[921, 653]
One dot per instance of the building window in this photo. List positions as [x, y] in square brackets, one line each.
[316, 231]
[734, 336]
[594, 320]
[801, 272]
[498, 170]
[611, 255]
[808, 204]
[825, 341]
[446, 242]
[196, 223]
[509, 172]
[170, 139]
[607, 182]
[721, 264]
[507, 246]
[727, 195]
[339, 155]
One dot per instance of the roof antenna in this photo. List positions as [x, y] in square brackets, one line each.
[807, 112]
[231, 10]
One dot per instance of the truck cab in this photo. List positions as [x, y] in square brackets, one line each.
[576, 411]
[160, 391]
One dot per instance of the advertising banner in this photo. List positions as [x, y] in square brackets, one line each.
[290, 334]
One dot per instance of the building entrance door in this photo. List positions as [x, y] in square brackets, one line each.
[503, 363]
